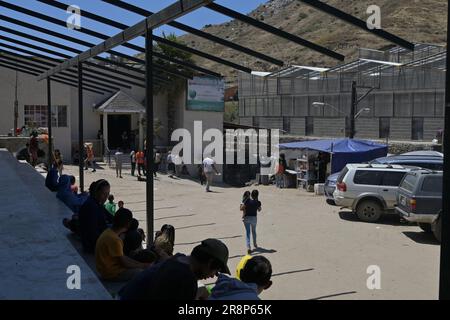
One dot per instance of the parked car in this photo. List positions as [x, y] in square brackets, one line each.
[369, 190]
[329, 187]
[419, 199]
[424, 159]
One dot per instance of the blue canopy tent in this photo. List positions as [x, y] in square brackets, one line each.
[343, 151]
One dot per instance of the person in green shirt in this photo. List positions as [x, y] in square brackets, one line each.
[111, 205]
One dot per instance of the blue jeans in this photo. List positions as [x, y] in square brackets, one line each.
[279, 178]
[250, 226]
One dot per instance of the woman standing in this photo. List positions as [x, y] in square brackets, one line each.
[250, 208]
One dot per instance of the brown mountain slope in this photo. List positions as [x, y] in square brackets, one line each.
[414, 20]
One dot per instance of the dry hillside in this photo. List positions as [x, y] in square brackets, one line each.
[415, 20]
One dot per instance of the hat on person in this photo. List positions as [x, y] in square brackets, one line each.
[218, 250]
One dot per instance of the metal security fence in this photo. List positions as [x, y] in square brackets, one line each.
[408, 86]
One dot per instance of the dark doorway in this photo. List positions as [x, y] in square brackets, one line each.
[117, 125]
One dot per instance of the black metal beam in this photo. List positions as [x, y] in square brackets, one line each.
[188, 65]
[62, 80]
[70, 49]
[359, 23]
[80, 126]
[121, 26]
[199, 33]
[444, 273]
[149, 140]
[88, 74]
[65, 56]
[170, 13]
[82, 42]
[49, 123]
[66, 73]
[268, 28]
[5, 65]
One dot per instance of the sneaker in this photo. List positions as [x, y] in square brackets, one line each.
[94, 170]
[249, 251]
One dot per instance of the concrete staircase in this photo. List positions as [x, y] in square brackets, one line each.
[36, 247]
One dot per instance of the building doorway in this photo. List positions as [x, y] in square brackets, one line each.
[117, 125]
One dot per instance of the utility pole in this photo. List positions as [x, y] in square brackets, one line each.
[16, 107]
[353, 110]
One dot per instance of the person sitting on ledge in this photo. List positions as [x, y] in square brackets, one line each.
[93, 216]
[254, 279]
[176, 278]
[65, 194]
[111, 262]
[51, 180]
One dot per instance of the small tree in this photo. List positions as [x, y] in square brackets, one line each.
[173, 53]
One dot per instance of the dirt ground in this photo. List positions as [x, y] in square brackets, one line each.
[317, 251]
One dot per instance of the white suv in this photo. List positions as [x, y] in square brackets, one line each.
[369, 190]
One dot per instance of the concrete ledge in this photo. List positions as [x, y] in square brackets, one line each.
[35, 249]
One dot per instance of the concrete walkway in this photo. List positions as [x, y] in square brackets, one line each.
[35, 250]
[317, 251]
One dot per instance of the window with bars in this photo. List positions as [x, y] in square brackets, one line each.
[36, 116]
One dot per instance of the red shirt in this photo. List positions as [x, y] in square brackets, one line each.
[140, 157]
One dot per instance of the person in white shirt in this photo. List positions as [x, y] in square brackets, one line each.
[170, 164]
[157, 162]
[118, 157]
[209, 169]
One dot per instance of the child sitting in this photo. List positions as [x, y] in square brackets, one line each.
[110, 205]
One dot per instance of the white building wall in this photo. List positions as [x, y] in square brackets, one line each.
[33, 92]
[209, 120]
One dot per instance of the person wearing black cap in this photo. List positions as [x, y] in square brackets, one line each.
[177, 277]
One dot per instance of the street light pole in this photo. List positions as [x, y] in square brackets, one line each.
[353, 111]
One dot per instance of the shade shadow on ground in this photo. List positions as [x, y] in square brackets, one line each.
[422, 237]
[291, 272]
[198, 242]
[388, 219]
[179, 216]
[263, 250]
[196, 225]
[334, 295]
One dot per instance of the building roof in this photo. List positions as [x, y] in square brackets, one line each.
[120, 102]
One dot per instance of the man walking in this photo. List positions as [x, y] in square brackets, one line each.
[133, 162]
[140, 159]
[209, 168]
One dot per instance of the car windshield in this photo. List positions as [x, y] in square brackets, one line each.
[409, 182]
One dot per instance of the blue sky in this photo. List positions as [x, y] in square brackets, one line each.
[196, 19]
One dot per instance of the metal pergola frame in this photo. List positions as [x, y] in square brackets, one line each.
[123, 82]
[105, 37]
[73, 40]
[348, 18]
[87, 44]
[444, 277]
[145, 28]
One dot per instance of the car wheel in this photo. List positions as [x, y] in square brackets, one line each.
[437, 227]
[425, 227]
[369, 211]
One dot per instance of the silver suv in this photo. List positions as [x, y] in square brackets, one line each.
[369, 190]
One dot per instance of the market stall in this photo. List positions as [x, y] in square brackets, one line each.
[315, 160]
